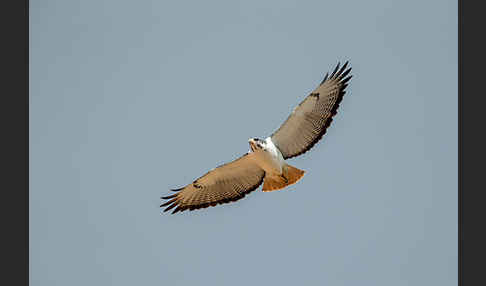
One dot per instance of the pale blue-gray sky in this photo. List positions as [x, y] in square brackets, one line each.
[131, 98]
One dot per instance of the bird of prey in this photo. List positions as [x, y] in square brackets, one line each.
[265, 161]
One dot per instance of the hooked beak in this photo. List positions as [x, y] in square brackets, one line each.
[253, 145]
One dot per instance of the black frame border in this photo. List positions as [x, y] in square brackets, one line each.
[15, 138]
[471, 238]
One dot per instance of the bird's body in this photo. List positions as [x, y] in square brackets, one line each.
[266, 161]
[269, 158]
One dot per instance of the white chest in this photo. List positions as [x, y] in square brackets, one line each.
[270, 159]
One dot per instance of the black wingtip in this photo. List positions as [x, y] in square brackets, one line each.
[342, 69]
[335, 69]
[168, 197]
[176, 210]
[170, 207]
[338, 72]
[169, 202]
[345, 73]
[347, 79]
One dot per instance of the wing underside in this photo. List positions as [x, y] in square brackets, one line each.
[227, 183]
[308, 122]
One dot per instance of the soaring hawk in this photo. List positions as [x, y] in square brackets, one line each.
[265, 161]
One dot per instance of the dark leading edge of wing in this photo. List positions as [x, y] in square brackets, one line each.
[308, 122]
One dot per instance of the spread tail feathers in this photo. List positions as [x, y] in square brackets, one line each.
[289, 176]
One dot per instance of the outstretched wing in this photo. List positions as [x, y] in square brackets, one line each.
[308, 122]
[226, 183]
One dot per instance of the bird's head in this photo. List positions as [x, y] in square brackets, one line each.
[256, 144]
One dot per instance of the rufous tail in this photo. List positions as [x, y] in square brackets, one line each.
[290, 175]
